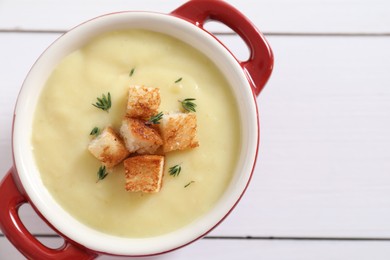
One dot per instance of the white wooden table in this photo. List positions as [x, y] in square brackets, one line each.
[321, 188]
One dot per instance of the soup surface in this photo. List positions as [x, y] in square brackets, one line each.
[65, 116]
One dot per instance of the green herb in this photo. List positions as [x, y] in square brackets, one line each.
[175, 170]
[102, 173]
[178, 80]
[155, 119]
[132, 72]
[188, 105]
[188, 184]
[104, 102]
[95, 131]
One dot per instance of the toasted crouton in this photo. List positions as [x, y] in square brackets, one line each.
[143, 102]
[178, 131]
[108, 147]
[139, 137]
[144, 173]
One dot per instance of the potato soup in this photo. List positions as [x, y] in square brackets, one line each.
[65, 116]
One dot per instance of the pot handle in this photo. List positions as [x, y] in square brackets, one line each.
[20, 237]
[259, 66]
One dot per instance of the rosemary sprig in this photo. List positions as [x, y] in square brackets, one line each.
[102, 173]
[188, 184]
[95, 131]
[178, 80]
[104, 102]
[131, 72]
[155, 119]
[188, 104]
[175, 170]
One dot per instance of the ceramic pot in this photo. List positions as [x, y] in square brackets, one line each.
[22, 184]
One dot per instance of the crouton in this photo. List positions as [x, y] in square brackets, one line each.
[178, 131]
[144, 173]
[139, 137]
[108, 147]
[143, 102]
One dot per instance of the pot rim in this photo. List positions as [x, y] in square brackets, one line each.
[28, 173]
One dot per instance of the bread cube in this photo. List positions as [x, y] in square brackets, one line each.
[139, 137]
[108, 147]
[143, 102]
[144, 173]
[178, 131]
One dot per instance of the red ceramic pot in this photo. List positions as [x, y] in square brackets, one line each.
[22, 184]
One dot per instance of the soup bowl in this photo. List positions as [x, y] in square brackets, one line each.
[23, 184]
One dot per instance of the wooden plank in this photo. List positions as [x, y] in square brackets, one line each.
[271, 16]
[248, 249]
[325, 149]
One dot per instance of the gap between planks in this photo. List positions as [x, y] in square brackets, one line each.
[363, 239]
[316, 34]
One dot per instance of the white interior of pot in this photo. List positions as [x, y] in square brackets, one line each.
[28, 98]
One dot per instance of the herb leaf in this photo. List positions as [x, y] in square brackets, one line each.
[175, 170]
[178, 80]
[104, 102]
[188, 104]
[95, 131]
[102, 173]
[188, 184]
[131, 72]
[155, 119]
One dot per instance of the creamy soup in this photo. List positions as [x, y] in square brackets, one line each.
[65, 116]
